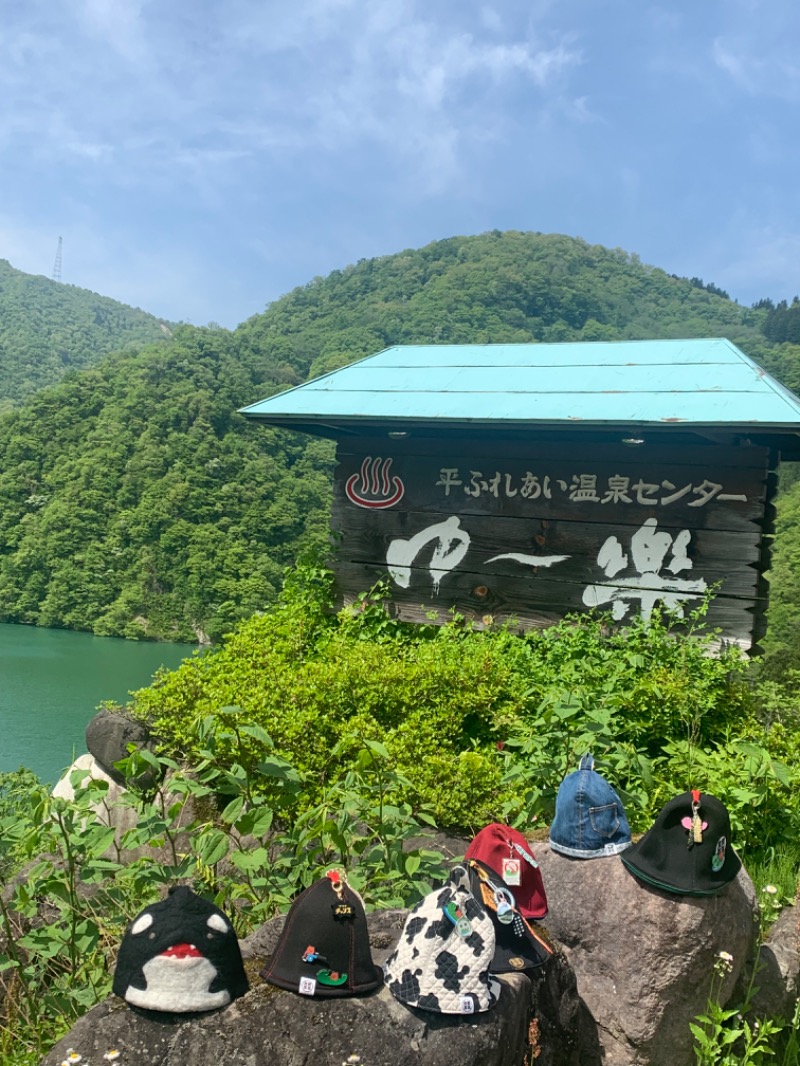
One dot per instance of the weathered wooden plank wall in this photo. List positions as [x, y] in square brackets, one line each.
[535, 531]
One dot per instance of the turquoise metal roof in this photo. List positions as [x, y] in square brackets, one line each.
[686, 382]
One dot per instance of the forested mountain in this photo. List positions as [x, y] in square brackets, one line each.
[134, 500]
[499, 287]
[47, 329]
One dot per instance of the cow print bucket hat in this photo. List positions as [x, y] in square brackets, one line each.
[444, 955]
[180, 955]
[688, 849]
[324, 949]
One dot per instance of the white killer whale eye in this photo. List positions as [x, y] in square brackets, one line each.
[216, 921]
[144, 921]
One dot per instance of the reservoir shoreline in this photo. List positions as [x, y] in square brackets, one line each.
[52, 682]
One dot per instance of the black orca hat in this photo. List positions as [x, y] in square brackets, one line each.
[688, 849]
[324, 950]
[180, 954]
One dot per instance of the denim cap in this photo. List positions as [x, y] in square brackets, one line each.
[590, 820]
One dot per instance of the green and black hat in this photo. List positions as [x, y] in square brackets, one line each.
[688, 848]
[324, 950]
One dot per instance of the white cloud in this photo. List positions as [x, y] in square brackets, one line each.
[312, 76]
[119, 27]
[756, 48]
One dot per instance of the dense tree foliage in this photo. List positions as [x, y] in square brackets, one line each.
[134, 500]
[48, 329]
[496, 288]
[783, 322]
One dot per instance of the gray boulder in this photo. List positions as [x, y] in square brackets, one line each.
[643, 958]
[108, 735]
[776, 982]
[270, 1027]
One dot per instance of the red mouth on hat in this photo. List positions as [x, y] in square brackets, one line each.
[181, 951]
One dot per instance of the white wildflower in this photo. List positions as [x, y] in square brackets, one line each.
[771, 890]
[724, 962]
[112, 1055]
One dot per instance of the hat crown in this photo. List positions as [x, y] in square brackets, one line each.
[519, 945]
[444, 955]
[324, 950]
[180, 954]
[495, 844]
[590, 820]
[688, 849]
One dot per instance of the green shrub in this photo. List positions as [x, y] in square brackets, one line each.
[483, 724]
[312, 739]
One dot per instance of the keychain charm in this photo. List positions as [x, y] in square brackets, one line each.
[512, 871]
[696, 824]
[341, 909]
[505, 906]
[453, 913]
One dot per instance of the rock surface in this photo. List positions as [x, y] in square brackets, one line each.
[108, 735]
[270, 1027]
[643, 958]
[777, 978]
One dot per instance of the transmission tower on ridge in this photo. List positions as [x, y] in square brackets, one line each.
[57, 264]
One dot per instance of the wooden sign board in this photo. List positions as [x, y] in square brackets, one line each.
[500, 530]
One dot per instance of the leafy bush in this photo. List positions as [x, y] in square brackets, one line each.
[483, 725]
[63, 914]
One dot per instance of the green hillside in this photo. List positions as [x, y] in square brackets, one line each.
[48, 329]
[134, 500]
[498, 287]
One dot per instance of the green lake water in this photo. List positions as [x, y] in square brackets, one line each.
[51, 682]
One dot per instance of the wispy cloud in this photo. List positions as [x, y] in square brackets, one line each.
[306, 78]
[757, 49]
[235, 148]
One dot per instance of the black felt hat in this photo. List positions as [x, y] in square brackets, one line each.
[324, 948]
[519, 945]
[181, 954]
[688, 848]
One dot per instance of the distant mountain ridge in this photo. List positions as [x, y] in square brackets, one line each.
[48, 328]
[136, 501]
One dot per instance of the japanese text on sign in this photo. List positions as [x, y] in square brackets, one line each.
[584, 488]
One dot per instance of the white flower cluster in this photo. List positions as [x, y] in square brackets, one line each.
[724, 963]
[74, 1057]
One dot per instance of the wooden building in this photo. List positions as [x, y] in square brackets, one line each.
[535, 480]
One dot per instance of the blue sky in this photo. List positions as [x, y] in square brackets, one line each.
[202, 157]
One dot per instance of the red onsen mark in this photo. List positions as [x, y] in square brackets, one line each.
[373, 487]
[182, 951]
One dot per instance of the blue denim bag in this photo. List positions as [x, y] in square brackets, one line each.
[590, 821]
